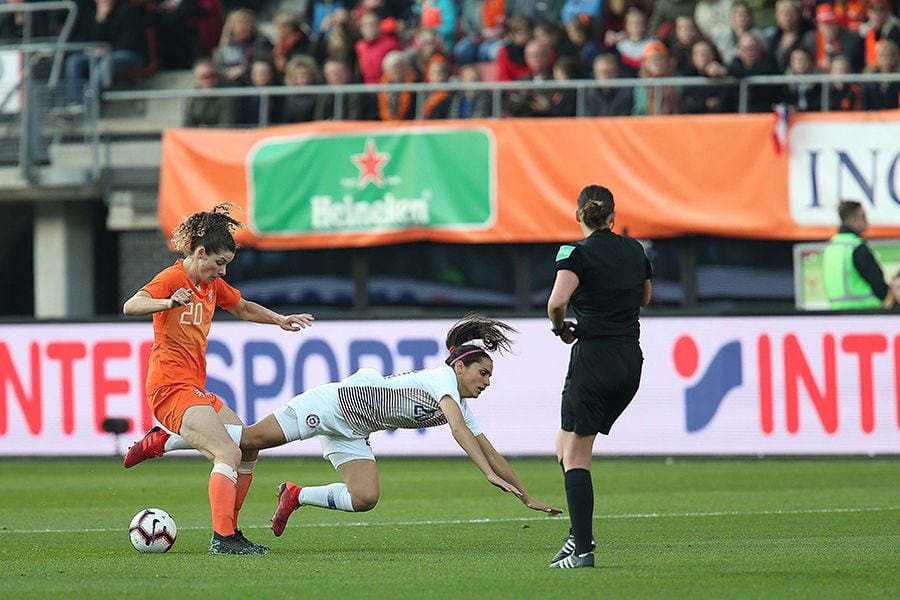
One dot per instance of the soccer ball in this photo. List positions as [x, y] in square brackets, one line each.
[152, 530]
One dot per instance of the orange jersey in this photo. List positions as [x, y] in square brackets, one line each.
[180, 335]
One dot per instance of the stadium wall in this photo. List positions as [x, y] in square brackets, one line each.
[712, 386]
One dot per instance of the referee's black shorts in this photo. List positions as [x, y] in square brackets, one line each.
[603, 377]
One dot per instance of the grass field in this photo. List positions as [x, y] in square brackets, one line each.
[665, 529]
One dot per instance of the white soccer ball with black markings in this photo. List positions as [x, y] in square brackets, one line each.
[152, 530]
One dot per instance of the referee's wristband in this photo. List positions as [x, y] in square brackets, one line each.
[558, 332]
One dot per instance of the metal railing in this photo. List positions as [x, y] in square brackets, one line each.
[743, 87]
[31, 128]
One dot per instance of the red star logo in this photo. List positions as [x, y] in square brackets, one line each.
[370, 164]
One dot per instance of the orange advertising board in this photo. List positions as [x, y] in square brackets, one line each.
[352, 184]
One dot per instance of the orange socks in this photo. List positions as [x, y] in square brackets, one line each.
[223, 498]
[243, 486]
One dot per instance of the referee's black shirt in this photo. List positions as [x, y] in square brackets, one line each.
[611, 271]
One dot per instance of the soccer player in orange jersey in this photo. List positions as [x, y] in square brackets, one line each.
[182, 300]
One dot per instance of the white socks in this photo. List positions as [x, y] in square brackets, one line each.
[335, 496]
[176, 442]
[226, 470]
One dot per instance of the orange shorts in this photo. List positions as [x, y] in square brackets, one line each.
[169, 403]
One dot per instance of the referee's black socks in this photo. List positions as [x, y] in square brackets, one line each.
[580, 498]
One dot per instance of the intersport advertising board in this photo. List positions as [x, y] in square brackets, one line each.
[748, 385]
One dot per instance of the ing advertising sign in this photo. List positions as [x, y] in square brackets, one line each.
[844, 160]
[711, 386]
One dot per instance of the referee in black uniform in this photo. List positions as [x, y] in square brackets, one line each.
[606, 279]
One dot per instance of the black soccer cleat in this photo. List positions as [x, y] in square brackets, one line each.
[232, 544]
[262, 549]
[568, 548]
[575, 561]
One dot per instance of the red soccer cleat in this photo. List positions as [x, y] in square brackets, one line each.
[288, 502]
[152, 445]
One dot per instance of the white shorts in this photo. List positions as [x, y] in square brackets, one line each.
[316, 413]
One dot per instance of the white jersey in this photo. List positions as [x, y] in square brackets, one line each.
[370, 402]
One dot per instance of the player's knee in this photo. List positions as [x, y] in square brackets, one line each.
[230, 455]
[363, 501]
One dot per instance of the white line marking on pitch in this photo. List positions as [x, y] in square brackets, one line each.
[725, 513]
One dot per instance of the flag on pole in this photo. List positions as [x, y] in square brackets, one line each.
[780, 127]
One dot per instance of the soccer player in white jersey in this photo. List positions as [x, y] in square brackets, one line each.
[343, 415]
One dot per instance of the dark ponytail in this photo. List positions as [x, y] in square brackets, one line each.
[491, 332]
[595, 205]
[214, 230]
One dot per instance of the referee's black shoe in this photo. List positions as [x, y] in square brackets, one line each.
[575, 561]
[568, 548]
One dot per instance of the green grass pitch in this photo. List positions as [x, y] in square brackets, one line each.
[689, 528]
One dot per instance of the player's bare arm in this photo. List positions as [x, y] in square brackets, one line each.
[247, 310]
[469, 444]
[142, 303]
[502, 467]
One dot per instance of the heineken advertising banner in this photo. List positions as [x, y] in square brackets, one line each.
[354, 184]
[421, 178]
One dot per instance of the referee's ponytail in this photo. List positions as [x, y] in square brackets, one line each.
[474, 336]
[595, 205]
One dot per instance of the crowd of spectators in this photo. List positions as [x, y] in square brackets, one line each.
[303, 43]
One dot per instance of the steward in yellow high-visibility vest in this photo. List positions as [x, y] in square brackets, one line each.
[852, 276]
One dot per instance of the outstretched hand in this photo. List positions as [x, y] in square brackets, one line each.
[504, 485]
[296, 322]
[540, 506]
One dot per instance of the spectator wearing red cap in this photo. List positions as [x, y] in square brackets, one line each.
[441, 16]
[881, 24]
[373, 47]
[831, 38]
[852, 13]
